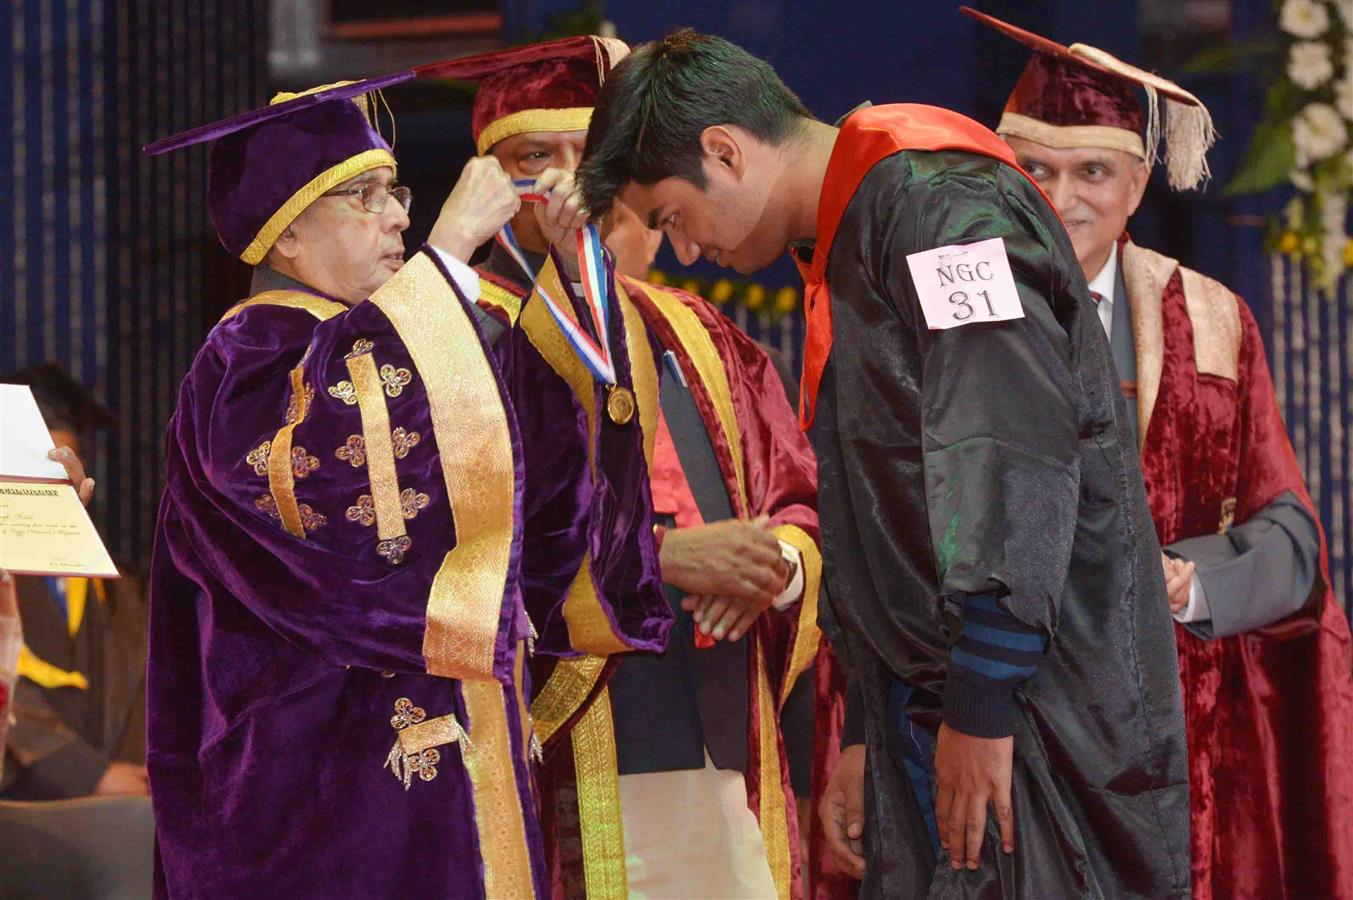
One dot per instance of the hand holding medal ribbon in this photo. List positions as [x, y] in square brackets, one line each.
[589, 336]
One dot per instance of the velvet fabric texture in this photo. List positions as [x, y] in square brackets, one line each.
[280, 663]
[825, 880]
[254, 172]
[615, 528]
[1064, 91]
[994, 458]
[1269, 713]
[561, 74]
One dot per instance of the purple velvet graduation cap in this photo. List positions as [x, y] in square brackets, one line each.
[269, 164]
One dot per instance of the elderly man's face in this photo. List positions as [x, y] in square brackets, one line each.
[528, 155]
[340, 248]
[1094, 190]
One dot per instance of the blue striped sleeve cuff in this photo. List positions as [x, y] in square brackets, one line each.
[994, 653]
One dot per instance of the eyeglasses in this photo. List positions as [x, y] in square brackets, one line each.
[374, 194]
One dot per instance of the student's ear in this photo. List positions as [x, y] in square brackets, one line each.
[723, 146]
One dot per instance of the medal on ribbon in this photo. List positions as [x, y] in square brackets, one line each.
[590, 340]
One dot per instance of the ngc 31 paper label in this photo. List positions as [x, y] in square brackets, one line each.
[965, 284]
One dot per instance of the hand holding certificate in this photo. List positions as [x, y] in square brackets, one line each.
[44, 529]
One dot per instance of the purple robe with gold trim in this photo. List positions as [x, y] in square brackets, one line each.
[339, 625]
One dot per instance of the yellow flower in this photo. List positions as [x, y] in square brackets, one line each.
[721, 292]
[1348, 253]
[786, 299]
[655, 276]
[1289, 242]
[755, 297]
[691, 286]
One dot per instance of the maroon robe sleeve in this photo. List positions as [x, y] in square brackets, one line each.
[1268, 476]
[355, 482]
[780, 474]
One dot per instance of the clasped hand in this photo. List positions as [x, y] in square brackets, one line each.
[731, 572]
[1178, 579]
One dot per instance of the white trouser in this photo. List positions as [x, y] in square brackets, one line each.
[690, 835]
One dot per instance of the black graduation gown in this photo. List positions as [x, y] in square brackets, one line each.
[995, 457]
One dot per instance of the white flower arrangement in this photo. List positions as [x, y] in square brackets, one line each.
[1304, 18]
[1307, 135]
[1318, 132]
[1309, 64]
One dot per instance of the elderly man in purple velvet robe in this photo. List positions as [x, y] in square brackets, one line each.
[341, 609]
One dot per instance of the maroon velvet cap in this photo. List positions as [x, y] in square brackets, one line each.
[539, 87]
[1080, 96]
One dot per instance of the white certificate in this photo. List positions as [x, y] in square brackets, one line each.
[44, 529]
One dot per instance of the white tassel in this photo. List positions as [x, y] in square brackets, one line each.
[537, 751]
[394, 762]
[462, 736]
[1152, 125]
[1189, 134]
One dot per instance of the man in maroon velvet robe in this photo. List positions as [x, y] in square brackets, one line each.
[696, 801]
[1263, 648]
[337, 696]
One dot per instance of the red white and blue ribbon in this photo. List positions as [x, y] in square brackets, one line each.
[592, 345]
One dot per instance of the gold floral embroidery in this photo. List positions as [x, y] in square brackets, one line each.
[258, 458]
[311, 520]
[394, 549]
[364, 511]
[360, 346]
[302, 463]
[406, 714]
[354, 451]
[344, 391]
[293, 409]
[412, 501]
[267, 504]
[394, 379]
[413, 751]
[424, 763]
[401, 442]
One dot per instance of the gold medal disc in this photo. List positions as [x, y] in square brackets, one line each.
[620, 405]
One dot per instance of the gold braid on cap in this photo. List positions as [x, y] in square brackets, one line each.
[573, 118]
[1064, 137]
[322, 183]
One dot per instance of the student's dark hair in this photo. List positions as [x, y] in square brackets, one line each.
[655, 105]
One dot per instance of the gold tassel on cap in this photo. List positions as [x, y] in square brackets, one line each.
[1188, 129]
[1189, 134]
[610, 51]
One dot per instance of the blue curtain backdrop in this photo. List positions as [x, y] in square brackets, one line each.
[110, 266]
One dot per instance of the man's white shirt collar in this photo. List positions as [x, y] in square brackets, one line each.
[1103, 284]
